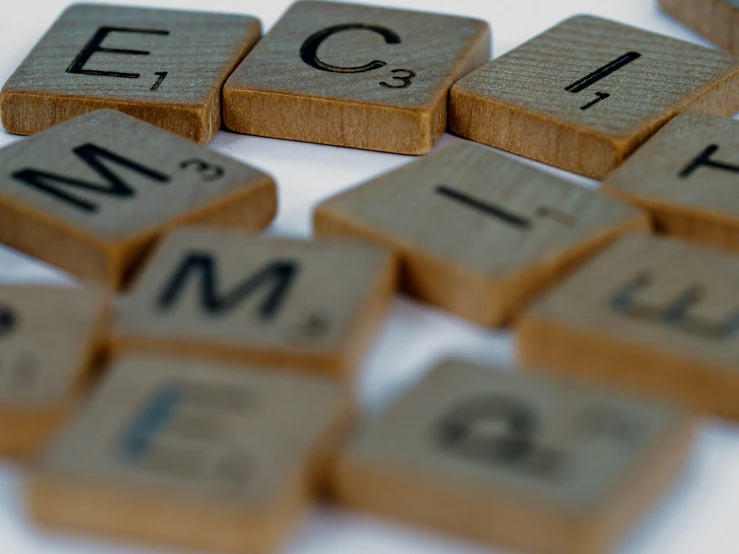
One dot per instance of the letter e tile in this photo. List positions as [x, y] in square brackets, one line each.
[166, 67]
[652, 315]
[192, 454]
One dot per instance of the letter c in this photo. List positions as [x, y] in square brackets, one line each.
[309, 49]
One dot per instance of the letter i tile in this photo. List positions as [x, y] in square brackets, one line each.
[231, 296]
[92, 195]
[585, 94]
[477, 233]
[652, 315]
[166, 67]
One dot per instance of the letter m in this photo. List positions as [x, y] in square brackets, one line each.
[275, 279]
[58, 186]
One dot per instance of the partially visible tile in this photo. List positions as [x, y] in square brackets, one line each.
[49, 339]
[716, 20]
[163, 66]
[652, 315]
[192, 454]
[583, 95]
[92, 195]
[353, 75]
[687, 178]
[231, 296]
[477, 233]
[516, 460]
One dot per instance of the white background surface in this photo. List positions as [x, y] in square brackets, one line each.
[698, 517]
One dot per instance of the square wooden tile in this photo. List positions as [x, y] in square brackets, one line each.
[477, 233]
[163, 66]
[687, 177]
[93, 194]
[716, 20]
[584, 94]
[652, 315]
[49, 339]
[231, 296]
[515, 460]
[193, 454]
[353, 75]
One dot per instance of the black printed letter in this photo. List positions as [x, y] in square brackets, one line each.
[279, 275]
[497, 430]
[92, 156]
[602, 72]
[8, 321]
[309, 50]
[675, 314]
[93, 46]
[704, 160]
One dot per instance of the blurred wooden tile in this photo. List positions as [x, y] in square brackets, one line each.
[716, 20]
[652, 315]
[49, 338]
[230, 296]
[163, 66]
[93, 194]
[194, 454]
[477, 233]
[687, 177]
[355, 76]
[584, 94]
[516, 460]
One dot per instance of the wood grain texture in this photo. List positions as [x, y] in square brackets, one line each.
[583, 95]
[337, 96]
[515, 460]
[94, 194]
[716, 20]
[650, 315]
[231, 296]
[687, 177]
[476, 233]
[49, 338]
[193, 454]
[67, 74]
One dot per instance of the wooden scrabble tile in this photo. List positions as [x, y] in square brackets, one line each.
[584, 94]
[652, 315]
[194, 454]
[477, 233]
[165, 67]
[230, 296]
[94, 194]
[49, 339]
[687, 177]
[354, 75]
[516, 460]
[716, 20]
